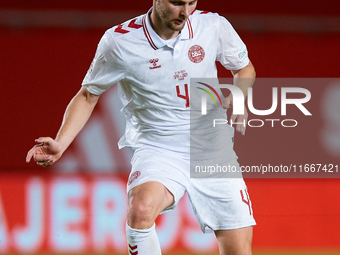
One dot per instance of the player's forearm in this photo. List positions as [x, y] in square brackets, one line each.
[76, 115]
[245, 78]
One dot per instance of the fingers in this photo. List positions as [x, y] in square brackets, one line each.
[38, 154]
[240, 121]
[227, 103]
[43, 159]
[30, 155]
[32, 151]
[241, 127]
[43, 140]
[233, 118]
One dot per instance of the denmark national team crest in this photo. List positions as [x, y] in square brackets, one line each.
[196, 53]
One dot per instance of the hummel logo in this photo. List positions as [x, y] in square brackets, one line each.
[132, 248]
[154, 63]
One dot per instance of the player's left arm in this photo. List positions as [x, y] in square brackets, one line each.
[243, 78]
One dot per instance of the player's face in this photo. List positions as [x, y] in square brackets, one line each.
[174, 13]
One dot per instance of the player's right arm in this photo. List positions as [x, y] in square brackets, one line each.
[107, 68]
[77, 113]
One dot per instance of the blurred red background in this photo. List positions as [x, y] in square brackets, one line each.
[42, 67]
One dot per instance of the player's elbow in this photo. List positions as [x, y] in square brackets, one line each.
[90, 98]
[251, 69]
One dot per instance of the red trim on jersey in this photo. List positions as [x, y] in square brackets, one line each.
[133, 247]
[191, 32]
[247, 202]
[132, 24]
[120, 29]
[204, 12]
[147, 35]
[193, 12]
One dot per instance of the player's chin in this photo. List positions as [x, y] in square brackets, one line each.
[177, 26]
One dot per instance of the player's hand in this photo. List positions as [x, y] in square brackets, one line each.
[241, 120]
[46, 152]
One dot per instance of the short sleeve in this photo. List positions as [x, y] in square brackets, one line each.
[106, 68]
[232, 52]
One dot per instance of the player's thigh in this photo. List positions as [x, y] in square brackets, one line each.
[221, 203]
[235, 241]
[148, 200]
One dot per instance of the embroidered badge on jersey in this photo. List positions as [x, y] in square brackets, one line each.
[88, 75]
[154, 63]
[133, 177]
[242, 54]
[180, 75]
[196, 54]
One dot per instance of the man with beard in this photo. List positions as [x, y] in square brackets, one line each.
[152, 58]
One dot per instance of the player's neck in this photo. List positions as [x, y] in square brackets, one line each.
[158, 26]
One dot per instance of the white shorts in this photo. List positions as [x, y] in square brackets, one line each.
[218, 203]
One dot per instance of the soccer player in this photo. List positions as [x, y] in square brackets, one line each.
[152, 58]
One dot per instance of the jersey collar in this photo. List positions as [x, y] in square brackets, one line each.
[156, 42]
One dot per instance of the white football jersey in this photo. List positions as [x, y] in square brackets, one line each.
[153, 76]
